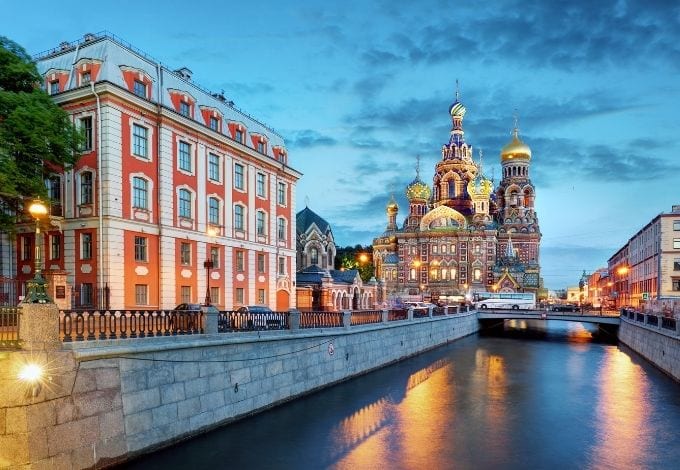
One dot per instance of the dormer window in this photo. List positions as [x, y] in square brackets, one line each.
[260, 147]
[140, 89]
[238, 136]
[184, 109]
[85, 78]
[54, 87]
[214, 123]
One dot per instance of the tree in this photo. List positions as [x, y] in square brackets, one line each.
[37, 137]
[356, 257]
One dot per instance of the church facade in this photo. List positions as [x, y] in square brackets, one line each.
[462, 234]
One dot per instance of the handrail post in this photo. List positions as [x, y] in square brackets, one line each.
[347, 318]
[410, 314]
[294, 319]
[429, 311]
[677, 326]
[385, 315]
[211, 321]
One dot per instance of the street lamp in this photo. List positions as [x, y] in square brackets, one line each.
[37, 287]
[208, 265]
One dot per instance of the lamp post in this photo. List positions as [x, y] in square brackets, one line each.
[208, 265]
[37, 287]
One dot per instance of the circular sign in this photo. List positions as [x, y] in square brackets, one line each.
[331, 349]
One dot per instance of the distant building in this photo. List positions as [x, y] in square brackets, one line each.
[319, 286]
[461, 234]
[170, 176]
[646, 270]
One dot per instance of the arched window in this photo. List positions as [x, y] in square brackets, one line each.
[314, 255]
[412, 274]
[452, 189]
[477, 274]
[213, 210]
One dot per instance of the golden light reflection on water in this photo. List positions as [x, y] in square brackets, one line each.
[622, 427]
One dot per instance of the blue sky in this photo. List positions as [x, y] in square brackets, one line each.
[360, 88]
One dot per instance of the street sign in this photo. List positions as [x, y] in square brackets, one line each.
[645, 295]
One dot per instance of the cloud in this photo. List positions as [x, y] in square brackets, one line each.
[310, 138]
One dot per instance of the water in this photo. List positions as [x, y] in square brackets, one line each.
[542, 395]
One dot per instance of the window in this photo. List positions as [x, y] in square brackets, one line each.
[185, 294]
[260, 185]
[281, 229]
[314, 256]
[86, 294]
[260, 263]
[238, 135]
[239, 261]
[86, 246]
[86, 129]
[140, 89]
[238, 217]
[676, 243]
[412, 274]
[215, 256]
[140, 141]
[54, 87]
[140, 248]
[184, 156]
[238, 176]
[185, 109]
[185, 203]
[185, 254]
[676, 264]
[214, 123]
[676, 285]
[239, 295]
[141, 294]
[85, 78]
[86, 187]
[260, 296]
[214, 210]
[281, 197]
[26, 248]
[215, 295]
[676, 225]
[282, 265]
[260, 147]
[140, 193]
[55, 246]
[213, 167]
[260, 223]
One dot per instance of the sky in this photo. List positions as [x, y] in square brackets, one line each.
[359, 89]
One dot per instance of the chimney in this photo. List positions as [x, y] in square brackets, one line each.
[185, 73]
[87, 37]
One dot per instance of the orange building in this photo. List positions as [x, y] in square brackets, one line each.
[171, 176]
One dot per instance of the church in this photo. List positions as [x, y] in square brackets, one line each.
[462, 234]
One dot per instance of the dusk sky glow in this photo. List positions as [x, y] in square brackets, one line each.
[358, 89]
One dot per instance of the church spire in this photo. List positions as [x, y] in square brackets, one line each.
[510, 250]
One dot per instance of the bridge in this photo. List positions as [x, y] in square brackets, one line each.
[512, 314]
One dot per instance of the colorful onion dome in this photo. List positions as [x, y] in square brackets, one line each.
[457, 109]
[515, 149]
[418, 190]
[480, 186]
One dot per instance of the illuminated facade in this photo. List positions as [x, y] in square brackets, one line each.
[461, 234]
[171, 176]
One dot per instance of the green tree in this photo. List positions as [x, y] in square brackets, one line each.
[37, 137]
[356, 257]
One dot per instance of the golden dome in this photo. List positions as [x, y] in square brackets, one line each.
[392, 206]
[418, 190]
[515, 149]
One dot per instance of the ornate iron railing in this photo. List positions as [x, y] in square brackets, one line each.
[420, 313]
[9, 327]
[397, 314]
[320, 319]
[365, 317]
[668, 323]
[88, 325]
[652, 320]
[438, 311]
[639, 317]
[231, 320]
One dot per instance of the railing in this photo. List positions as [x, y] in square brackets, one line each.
[248, 321]
[438, 311]
[420, 313]
[9, 327]
[397, 314]
[320, 319]
[652, 320]
[10, 290]
[366, 317]
[639, 317]
[82, 325]
[668, 323]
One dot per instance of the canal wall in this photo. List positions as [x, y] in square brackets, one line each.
[106, 401]
[658, 346]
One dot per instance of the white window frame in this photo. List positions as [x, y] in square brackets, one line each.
[261, 228]
[149, 140]
[192, 193]
[279, 220]
[261, 184]
[283, 202]
[244, 184]
[219, 209]
[219, 167]
[192, 163]
[242, 228]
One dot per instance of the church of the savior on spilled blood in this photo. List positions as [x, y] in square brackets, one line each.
[461, 234]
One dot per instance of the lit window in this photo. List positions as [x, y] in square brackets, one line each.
[185, 203]
[214, 211]
[140, 249]
[185, 254]
[86, 246]
[281, 229]
[140, 193]
[140, 89]
[239, 182]
[238, 217]
[260, 263]
[281, 195]
[261, 185]
[141, 294]
[239, 261]
[214, 123]
[185, 109]
[239, 295]
[213, 167]
[54, 87]
[86, 187]
[185, 294]
[261, 223]
[140, 141]
[215, 295]
[86, 130]
[184, 156]
[260, 296]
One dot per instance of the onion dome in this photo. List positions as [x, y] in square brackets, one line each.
[392, 206]
[457, 109]
[480, 186]
[515, 149]
[418, 190]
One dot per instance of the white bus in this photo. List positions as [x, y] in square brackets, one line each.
[513, 300]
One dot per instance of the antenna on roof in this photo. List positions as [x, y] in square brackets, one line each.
[306, 201]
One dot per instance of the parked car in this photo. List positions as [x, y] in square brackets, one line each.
[254, 309]
[186, 316]
[565, 308]
[418, 307]
[257, 317]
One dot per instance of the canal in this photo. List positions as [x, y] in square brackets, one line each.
[530, 395]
